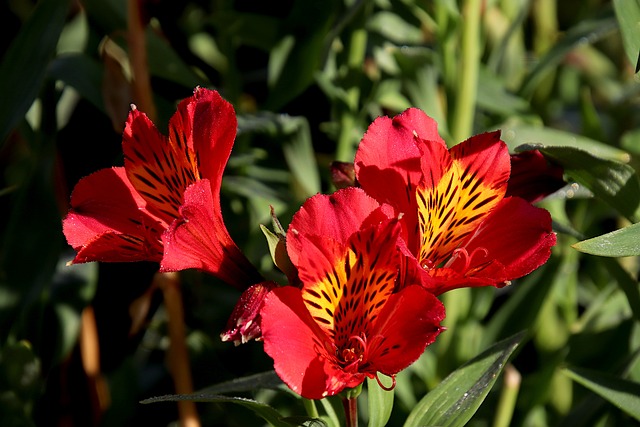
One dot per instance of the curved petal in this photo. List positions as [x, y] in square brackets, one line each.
[344, 287]
[512, 242]
[159, 168]
[408, 322]
[214, 126]
[387, 162]
[199, 239]
[303, 355]
[336, 216]
[484, 158]
[457, 194]
[108, 221]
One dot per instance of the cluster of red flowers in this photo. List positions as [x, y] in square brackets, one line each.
[414, 219]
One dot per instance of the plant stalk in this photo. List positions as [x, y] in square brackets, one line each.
[141, 84]
[508, 397]
[179, 365]
[350, 410]
[466, 95]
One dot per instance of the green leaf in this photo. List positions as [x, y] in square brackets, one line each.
[623, 394]
[263, 410]
[615, 183]
[628, 15]
[22, 75]
[81, 72]
[164, 62]
[454, 401]
[618, 243]
[253, 382]
[380, 403]
[515, 135]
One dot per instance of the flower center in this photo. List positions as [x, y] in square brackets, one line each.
[351, 355]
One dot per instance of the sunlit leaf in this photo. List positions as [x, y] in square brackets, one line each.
[618, 243]
[454, 401]
[623, 394]
[515, 135]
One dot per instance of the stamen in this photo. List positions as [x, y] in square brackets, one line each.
[466, 258]
[382, 386]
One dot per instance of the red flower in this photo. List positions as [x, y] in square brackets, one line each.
[459, 227]
[533, 177]
[349, 321]
[164, 204]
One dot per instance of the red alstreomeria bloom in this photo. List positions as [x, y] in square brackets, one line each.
[459, 227]
[164, 204]
[351, 319]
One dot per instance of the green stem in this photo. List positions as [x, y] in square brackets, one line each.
[508, 397]
[469, 66]
[310, 408]
[350, 410]
[357, 51]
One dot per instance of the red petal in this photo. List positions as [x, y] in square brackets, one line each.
[214, 130]
[158, 168]
[517, 238]
[456, 197]
[533, 177]
[387, 162]
[337, 216]
[108, 221]
[409, 321]
[200, 240]
[345, 287]
[201, 134]
[486, 157]
[302, 354]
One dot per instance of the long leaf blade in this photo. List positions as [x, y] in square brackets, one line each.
[263, 410]
[618, 243]
[454, 401]
[623, 394]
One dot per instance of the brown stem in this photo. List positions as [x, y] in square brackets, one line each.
[90, 356]
[142, 94]
[350, 405]
[179, 365]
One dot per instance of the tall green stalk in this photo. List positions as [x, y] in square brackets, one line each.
[463, 115]
[357, 50]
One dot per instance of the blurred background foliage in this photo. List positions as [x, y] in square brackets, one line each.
[82, 345]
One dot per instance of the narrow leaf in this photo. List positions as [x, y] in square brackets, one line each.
[254, 382]
[454, 401]
[623, 394]
[628, 15]
[21, 75]
[618, 243]
[263, 410]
